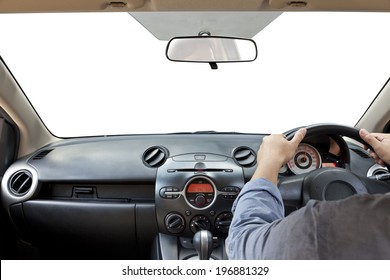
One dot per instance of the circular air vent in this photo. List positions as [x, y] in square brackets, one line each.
[155, 156]
[244, 156]
[377, 169]
[20, 182]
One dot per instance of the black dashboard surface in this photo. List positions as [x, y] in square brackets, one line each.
[119, 158]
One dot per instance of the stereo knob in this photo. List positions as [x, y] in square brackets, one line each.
[200, 200]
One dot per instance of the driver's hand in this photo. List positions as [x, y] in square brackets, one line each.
[380, 142]
[275, 151]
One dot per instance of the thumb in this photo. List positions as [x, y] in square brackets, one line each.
[299, 135]
[370, 139]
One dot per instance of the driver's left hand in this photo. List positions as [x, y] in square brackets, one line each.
[274, 152]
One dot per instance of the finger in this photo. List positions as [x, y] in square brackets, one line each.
[374, 156]
[299, 135]
[369, 138]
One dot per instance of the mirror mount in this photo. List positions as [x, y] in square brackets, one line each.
[213, 65]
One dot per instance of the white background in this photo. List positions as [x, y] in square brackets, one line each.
[100, 74]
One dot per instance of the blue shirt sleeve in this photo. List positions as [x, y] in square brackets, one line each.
[320, 230]
[257, 209]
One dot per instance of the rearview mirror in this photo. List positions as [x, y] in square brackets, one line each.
[211, 49]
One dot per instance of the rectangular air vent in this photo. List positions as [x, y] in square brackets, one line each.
[41, 154]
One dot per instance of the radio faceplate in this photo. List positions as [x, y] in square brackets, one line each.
[199, 192]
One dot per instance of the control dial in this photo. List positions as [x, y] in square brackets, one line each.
[199, 223]
[200, 200]
[223, 221]
[174, 223]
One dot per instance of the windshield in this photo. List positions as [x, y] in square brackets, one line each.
[105, 74]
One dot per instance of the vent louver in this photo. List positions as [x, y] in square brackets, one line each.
[155, 156]
[244, 156]
[42, 154]
[21, 182]
[377, 170]
[380, 171]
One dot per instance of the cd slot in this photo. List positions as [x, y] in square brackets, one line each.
[200, 170]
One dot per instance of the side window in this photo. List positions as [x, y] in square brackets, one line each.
[8, 142]
[386, 129]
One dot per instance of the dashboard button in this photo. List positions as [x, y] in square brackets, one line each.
[200, 157]
[162, 192]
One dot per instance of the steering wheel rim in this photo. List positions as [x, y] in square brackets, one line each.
[327, 183]
[337, 129]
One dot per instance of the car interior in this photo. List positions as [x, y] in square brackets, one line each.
[166, 196]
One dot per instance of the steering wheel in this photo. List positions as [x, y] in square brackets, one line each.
[327, 183]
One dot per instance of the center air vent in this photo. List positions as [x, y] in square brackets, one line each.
[155, 156]
[20, 183]
[244, 156]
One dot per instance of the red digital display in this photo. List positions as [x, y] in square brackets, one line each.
[329, 164]
[200, 188]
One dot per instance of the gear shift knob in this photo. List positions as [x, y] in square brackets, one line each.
[203, 244]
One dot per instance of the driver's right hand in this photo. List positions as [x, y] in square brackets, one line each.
[380, 142]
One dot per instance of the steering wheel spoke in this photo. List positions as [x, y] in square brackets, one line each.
[291, 190]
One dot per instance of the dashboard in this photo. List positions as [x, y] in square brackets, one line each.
[127, 197]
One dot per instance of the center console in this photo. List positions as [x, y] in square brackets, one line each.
[195, 192]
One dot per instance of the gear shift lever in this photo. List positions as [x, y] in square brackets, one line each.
[203, 244]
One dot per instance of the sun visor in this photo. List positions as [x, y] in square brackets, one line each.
[166, 25]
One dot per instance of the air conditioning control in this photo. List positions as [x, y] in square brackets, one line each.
[199, 223]
[174, 223]
[223, 221]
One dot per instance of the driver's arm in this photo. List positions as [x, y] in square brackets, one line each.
[257, 209]
[259, 230]
[259, 206]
